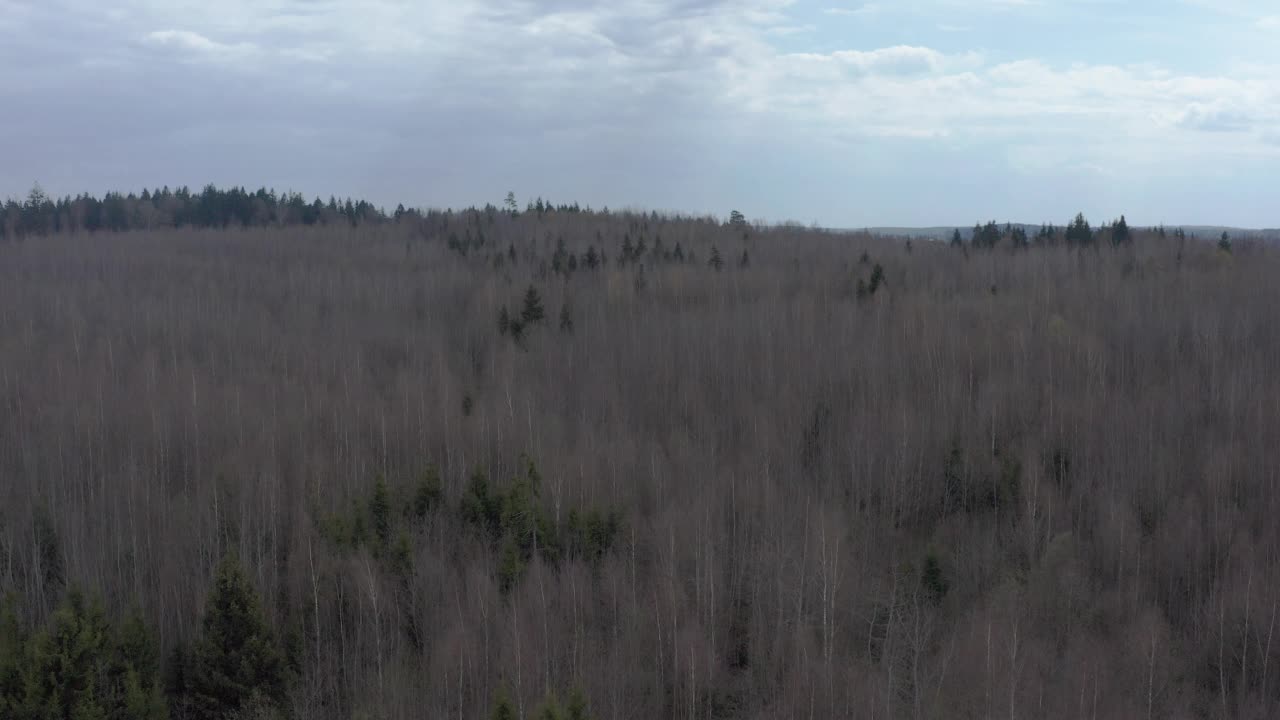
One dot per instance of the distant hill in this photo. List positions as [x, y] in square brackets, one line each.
[944, 233]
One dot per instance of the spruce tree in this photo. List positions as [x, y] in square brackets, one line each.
[1120, 232]
[532, 312]
[235, 663]
[426, 496]
[504, 321]
[12, 652]
[502, 707]
[550, 709]
[566, 319]
[715, 261]
[577, 708]
[380, 514]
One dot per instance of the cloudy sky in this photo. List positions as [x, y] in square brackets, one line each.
[900, 112]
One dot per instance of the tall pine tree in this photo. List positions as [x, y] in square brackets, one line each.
[235, 663]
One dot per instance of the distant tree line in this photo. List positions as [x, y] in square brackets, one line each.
[212, 207]
[1077, 233]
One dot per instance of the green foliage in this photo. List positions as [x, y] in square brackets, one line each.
[48, 551]
[1224, 243]
[532, 312]
[1120, 232]
[1078, 232]
[502, 707]
[989, 235]
[427, 494]
[566, 319]
[591, 535]
[932, 582]
[380, 514]
[504, 321]
[549, 709]
[235, 663]
[577, 707]
[78, 666]
[716, 261]
[518, 526]
[877, 279]
[479, 508]
[957, 240]
[12, 661]
[400, 557]
[737, 219]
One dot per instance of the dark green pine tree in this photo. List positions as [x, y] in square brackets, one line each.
[235, 664]
[1120, 232]
[380, 514]
[716, 261]
[566, 319]
[504, 321]
[577, 708]
[532, 312]
[1079, 232]
[426, 496]
[502, 707]
[136, 671]
[549, 709]
[877, 278]
[956, 239]
[67, 664]
[12, 658]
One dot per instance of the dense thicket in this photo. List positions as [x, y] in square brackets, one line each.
[466, 463]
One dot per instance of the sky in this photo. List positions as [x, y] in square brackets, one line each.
[845, 114]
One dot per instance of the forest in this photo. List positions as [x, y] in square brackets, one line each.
[265, 458]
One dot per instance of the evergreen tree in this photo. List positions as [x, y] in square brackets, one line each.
[577, 708]
[1224, 243]
[380, 514]
[932, 582]
[12, 658]
[1079, 232]
[66, 664]
[1120, 232]
[956, 239]
[566, 319]
[502, 707]
[427, 495]
[627, 248]
[532, 312]
[1018, 238]
[715, 261]
[877, 279]
[504, 321]
[550, 709]
[235, 663]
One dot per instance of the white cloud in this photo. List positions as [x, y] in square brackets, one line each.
[863, 10]
[198, 46]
